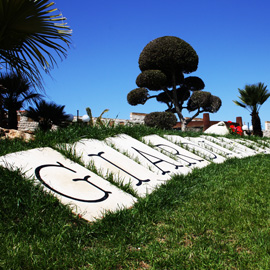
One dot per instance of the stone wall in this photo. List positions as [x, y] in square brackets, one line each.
[26, 124]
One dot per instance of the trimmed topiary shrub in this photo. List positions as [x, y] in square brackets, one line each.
[137, 96]
[163, 63]
[162, 120]
[152, 79]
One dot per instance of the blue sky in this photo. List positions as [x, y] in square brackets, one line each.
[231, 38]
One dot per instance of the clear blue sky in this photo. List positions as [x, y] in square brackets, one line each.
[231, 38]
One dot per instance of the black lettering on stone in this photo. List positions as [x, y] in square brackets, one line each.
[139, 180]
[59, 165]
[180, 156]
[159, 160]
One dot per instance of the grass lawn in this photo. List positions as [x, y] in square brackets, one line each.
[214, 218]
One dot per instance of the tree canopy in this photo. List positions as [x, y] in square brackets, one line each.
[47, 114]
[17, 91]
[163, 63]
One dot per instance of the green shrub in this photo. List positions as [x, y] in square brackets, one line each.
[162, 120]
[47, 114]
[137, 96]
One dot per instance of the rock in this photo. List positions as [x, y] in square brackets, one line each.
[218, 129]
[15, 134]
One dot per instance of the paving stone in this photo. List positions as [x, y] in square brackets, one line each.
[107, 160]
[86, 193]
[147, 156]
[195, 148]
[184, 157]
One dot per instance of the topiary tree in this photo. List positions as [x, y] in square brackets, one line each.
[163, 63]
[162, 120]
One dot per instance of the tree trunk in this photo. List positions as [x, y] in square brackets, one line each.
[184, 125]
[12, 119]
[1, 112]
[256, 123]
[177, 106]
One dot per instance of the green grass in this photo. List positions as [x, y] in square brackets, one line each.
[79, 131]
[215, 218]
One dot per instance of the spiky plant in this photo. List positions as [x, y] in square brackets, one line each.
[30, 30]
[47, 114]
[252, 97]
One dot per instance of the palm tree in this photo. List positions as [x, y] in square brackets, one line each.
[252, 97]
[16, 91]
[2, 109]
[29, 30]
[47, 114]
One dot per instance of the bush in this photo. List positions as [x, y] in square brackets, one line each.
[137, 96]
[47, 114]
[162, 120]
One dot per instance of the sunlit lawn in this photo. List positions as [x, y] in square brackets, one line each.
[215, 218]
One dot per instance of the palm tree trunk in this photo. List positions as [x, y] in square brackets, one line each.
[1, 112]
[256, 123]
[12, 119]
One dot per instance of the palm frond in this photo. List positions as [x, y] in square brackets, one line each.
[29, 32]
[253, 96]
[239, 104]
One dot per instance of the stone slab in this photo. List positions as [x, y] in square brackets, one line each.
[216, 148]
[231, 145]
[264, 143]
[257, 147]
[86, 193]
[196, 148]
[184, 157]
[147, 156]
[107, 160]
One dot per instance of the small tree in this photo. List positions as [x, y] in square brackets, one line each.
[47, 114]
[163, 62]
[251, 98]
[16, 91]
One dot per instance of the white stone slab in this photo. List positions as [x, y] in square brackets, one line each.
[214, 147]
[231, 145]
[147, 156]
[88, 194]
[197, 149]
[240, 146]
[254, 146]
[108, 160]
[184, 157]
[264, 143]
